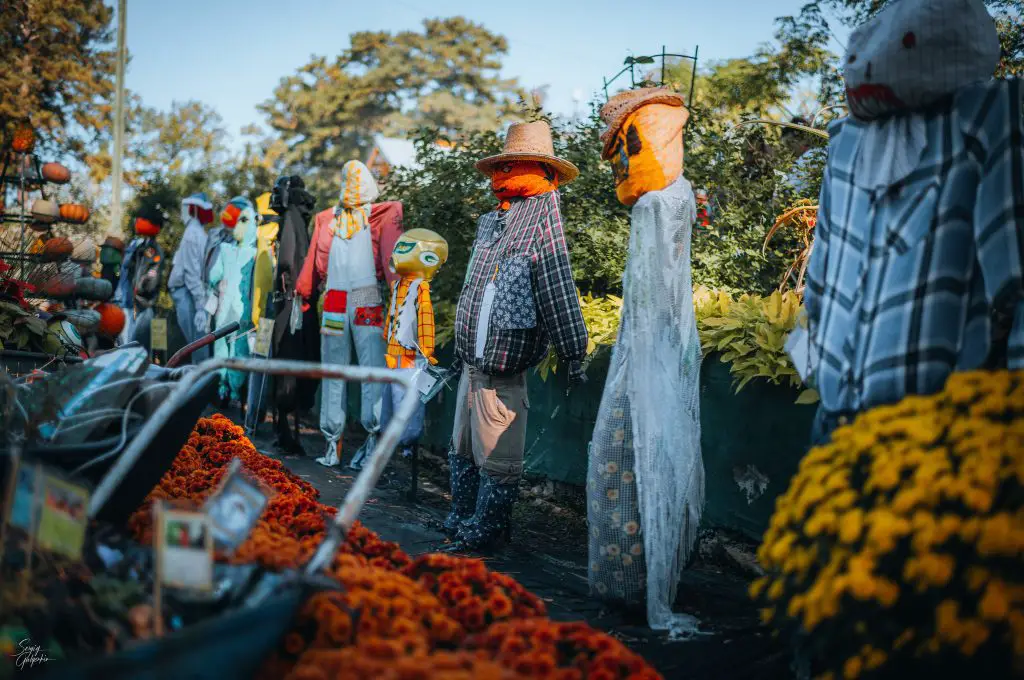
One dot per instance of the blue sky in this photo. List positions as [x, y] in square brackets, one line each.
[231, 53]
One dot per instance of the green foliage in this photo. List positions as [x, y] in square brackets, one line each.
[446, 77]
[601, 315]
[56, 70]
[749, 333]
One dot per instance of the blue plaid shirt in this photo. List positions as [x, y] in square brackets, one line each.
[909, 284]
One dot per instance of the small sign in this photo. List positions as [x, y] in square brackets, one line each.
[63, 517]
[27, 482]
[437, 381]
[235, 508]
[184, 548]
[158, 334]
[264, 334]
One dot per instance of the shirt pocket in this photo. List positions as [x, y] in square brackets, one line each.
[912, 216]
[514, 306]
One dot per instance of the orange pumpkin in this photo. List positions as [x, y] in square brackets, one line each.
[59, 287]
[111, 320]
[56, 249]
[56, 173]
[24, 139]
[75, 213]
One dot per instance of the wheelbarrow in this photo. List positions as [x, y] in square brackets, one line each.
[235, 644]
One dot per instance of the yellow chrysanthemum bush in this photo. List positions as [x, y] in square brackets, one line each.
[898, 548]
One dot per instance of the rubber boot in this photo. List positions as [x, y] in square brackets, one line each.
[465, 483]
[492, 521]
[286, 442]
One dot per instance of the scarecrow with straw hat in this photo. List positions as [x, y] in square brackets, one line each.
[645, 484]
[518, 297]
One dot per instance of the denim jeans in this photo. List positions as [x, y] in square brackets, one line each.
[393, 395]
[185, 310]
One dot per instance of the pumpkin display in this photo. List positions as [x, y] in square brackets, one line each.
[91, 288]
[44, 211]
[58, 287]
[75, 213]
[111, 320]
[24, 139]
[57, 249]
[56, 173]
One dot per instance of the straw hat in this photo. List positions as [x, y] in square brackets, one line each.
[530, 142]
[621, 105]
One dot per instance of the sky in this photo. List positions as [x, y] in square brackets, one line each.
[230, 54]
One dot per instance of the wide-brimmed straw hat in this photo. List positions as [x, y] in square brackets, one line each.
[530, 142]
[618, 108]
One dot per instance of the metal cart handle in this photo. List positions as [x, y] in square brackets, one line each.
[208, 339]
[367, 478]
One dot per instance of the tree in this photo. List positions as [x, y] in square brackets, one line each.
[56, 71]
[445, 77]
[188, 139]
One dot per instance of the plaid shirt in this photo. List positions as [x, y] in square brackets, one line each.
[531, 228]
[904, 284]
[398, 356]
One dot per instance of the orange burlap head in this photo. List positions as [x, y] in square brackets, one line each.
[522, 179]
[647, 152]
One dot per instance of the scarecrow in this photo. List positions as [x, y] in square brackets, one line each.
[216, 236]
[296, 335]
[141, 272]
[185, 283]
[231, 282]
[262, 305]
[409, 328]
[645, 483]
[111, 255]
[916, 270]
[348, 257]
[518, 297]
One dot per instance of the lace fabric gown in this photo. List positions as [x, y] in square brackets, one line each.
[645, 486]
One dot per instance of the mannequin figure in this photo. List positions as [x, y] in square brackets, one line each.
[185, 284]
[231, 278]
[409, 328]
[141, 272]
[645, 485]
[348, 256]
[262, 306]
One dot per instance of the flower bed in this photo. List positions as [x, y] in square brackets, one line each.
[437, 616]
[898, 549]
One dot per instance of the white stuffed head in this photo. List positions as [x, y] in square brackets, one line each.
[916, 52]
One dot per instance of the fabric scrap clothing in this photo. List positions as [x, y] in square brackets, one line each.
[522, 251]
[416, 315]
[490, 423]
[914, 279]
[138, 286]
[232, 276]
[645, 481]
[186, 280]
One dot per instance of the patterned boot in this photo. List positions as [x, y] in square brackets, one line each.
[465, 481]
[492, 520]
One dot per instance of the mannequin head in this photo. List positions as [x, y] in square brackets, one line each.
[197, 206]
[527, 165]
[644, 140]
[148, 222]
[522, 178]
[239, 216]
[419, 253]
[268, 228]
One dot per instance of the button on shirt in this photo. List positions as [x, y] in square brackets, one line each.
[528, 238]
[904, 281]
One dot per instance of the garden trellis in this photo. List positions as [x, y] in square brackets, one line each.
[632, 62]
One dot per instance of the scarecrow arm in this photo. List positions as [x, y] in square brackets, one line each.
[304, 284]
[425, 322]
[192, 251]
[815, 276]
[557, 301]
[386, 228]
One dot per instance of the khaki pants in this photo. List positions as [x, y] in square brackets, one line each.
[490, 423]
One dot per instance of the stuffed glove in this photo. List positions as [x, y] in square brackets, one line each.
[202, 323]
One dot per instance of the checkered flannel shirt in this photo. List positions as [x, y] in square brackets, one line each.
[903, 285]
[531, 227]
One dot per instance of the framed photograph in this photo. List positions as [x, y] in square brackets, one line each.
[63, 516]
[184, 548]
[235, 508]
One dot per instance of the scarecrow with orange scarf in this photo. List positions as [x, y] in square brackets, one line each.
[645, 485]
[348, 258]
[519, 297]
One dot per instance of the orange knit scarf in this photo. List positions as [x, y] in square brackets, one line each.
[521, 179]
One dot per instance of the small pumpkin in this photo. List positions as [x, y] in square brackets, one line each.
[75, 213]
[59, 287]
[56, 173]
[112, 320]
[85, 320]
[24, 139]
[57, 249]
[91, 288]
[45, 211]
